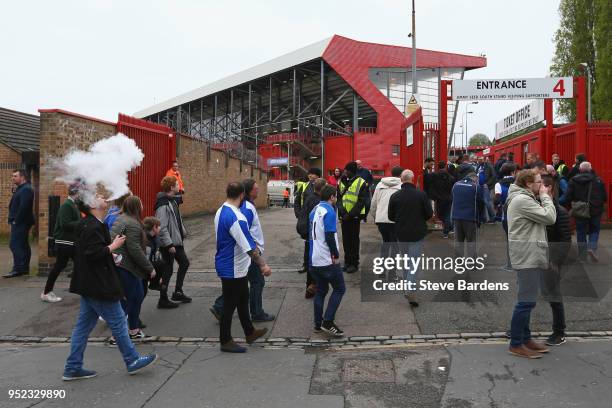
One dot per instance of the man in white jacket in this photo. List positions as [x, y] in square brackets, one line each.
[379, 210]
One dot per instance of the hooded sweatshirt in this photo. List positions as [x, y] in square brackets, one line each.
[172, 231]
[527, 221]
[380, 200]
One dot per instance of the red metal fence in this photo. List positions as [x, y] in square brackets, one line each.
[158, 143]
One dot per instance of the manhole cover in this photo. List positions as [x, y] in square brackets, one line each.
[369, 371]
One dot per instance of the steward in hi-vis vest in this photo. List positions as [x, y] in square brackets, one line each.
[352, 195]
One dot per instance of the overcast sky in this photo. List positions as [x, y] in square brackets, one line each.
[102, 57]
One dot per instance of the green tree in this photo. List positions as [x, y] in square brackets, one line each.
[479, 139]
[574, 44]
[602, 95]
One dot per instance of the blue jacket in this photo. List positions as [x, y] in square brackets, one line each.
[21, 207]
[468, 200]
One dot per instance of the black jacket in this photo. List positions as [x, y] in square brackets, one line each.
[574, 171]
[410, 209]
[67, 221]
[21, 206]
[303, 220]
[498, 165]
[559, 236]
[490, 176]
[361, 198]
[94, 273]
[578, 190]
[441, 185]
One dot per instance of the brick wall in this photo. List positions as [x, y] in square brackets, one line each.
[205, 180]
[205, 173]
[9, 161]
[59, 134]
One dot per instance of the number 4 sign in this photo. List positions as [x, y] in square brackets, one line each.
[559, 87]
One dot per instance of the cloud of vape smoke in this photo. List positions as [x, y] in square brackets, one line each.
[105, 165]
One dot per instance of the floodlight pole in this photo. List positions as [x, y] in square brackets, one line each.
[414, 78]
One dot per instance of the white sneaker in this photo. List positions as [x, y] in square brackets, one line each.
[50, 297]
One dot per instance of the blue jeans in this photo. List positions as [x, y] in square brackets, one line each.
[519, 327]
[20, 247]
[413, 250]
[112, 313]
[588, 227]
[325, 276]
[134, 295]
[489, 210]
[256, 285]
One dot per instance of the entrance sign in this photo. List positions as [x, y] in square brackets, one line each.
[409, 135]
[521, 119]
[506, 89]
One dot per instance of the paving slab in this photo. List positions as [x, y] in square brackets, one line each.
[353, 316]
[572, 375]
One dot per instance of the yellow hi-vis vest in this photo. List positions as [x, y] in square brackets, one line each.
[349, 198]
[561, 168]
[301, 186]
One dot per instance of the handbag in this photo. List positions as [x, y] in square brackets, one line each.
[582, 209]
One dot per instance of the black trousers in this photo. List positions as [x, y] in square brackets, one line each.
[309, 278]
[465, 235]
[387, 232]
[64, 254]
[558, 313]
[235, 295]
[350, 241]
[183, 262]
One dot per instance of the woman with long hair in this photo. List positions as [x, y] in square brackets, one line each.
[134, 265]
[334, 179]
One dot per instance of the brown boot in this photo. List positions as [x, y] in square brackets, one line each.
[522, 351]
[257, 333]
[535, 346]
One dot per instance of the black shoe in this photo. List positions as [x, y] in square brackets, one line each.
[555, 340]
[179, 296]
[332, 329]
[154, 285]
[317, 329]
[164, 303]
[303, 270]
[351, 269]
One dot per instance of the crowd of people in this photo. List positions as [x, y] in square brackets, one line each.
[534, 205]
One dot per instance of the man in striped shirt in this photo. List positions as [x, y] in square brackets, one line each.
[235, 251]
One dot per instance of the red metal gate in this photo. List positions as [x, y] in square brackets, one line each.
[158, 143]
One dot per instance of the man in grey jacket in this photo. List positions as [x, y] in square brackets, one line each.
[171, 245]
[527, 221]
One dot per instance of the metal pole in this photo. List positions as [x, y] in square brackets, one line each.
[466, 133]
[589, 94]
[414, 78]
[322, 115]
[288, 160]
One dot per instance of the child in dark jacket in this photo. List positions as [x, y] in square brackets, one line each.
[560, 241]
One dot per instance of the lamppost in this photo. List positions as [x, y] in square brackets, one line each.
[583, 66]
[466, 125]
